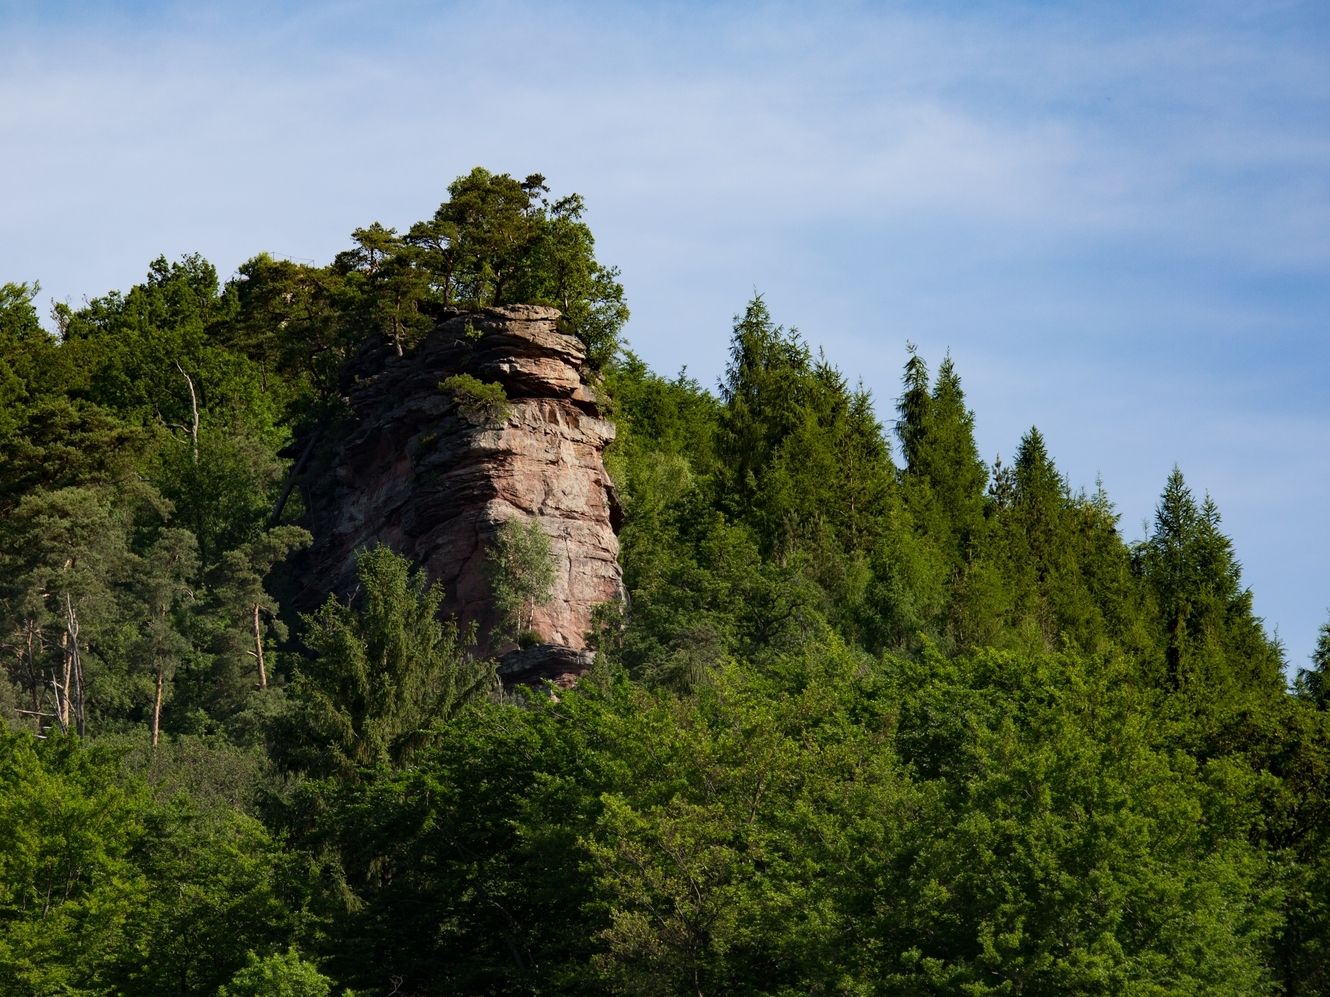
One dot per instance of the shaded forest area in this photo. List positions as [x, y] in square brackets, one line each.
[876, 718]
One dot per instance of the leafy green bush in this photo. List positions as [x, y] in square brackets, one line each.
[522, 566]
[480, 401]
[285, 975]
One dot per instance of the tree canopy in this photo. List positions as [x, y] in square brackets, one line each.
[875, 716]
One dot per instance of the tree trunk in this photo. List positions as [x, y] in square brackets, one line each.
[194, 409]
[74, 674]
[397, 324]
[258, 648]
[291, 477]
[157, 707]
[62, 688]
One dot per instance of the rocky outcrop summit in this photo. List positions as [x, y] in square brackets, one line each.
[412, 468]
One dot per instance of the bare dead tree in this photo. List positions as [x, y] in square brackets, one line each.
[75, 671]
[194, 411]
[258, 646]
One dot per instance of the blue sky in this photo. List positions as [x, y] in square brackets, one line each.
[1116, 216]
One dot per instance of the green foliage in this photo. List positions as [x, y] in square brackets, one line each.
[27, 355]
[385, 672]
[63, 444]
[1215, 645]
[284, 974]
[243, 626]
[384, 286]
[162, 587]
[730, 869]
[297, 325]
[480, 401]
[70, 879]
[69, 605]
[1063, 575]
[1314, 682]
[1077, 852]
[229, 894]
[857, 728]
[945, 478]
[225, 492]
[478, 841]
[105, 891]
[499, 241]
[522, 573]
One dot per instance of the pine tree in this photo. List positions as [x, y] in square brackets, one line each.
[162, 579]
[245, 616]
[64, 571]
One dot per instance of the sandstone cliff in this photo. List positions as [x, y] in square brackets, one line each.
[410, 469]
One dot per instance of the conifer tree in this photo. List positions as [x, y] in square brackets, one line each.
[1314, 682]
[764, 389]
[950, 458]
[63, 574]
[1214, 643]
[385, 285]
[162, 580]
[385, 670]
[913, 409]
[245, 615]
[942, 463]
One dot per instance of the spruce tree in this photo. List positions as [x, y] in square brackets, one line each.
[946, 478]
[384, 672]
[1214, 644]
[1314, 682]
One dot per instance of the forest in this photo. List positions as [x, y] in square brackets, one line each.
[876, 716]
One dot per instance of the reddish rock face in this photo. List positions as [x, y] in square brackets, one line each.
[409, 469]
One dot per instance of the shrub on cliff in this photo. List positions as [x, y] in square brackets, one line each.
[480, 401]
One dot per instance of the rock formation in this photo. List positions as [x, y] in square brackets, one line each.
[412, 468]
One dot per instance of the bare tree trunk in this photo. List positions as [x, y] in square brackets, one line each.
[79, 722]
[194, 409]
[291, 478]
[59, 701]
[74, 674]
[258, 648]
[157, 706]
[63, 687]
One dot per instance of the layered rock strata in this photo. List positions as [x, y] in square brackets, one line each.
[411, 468]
